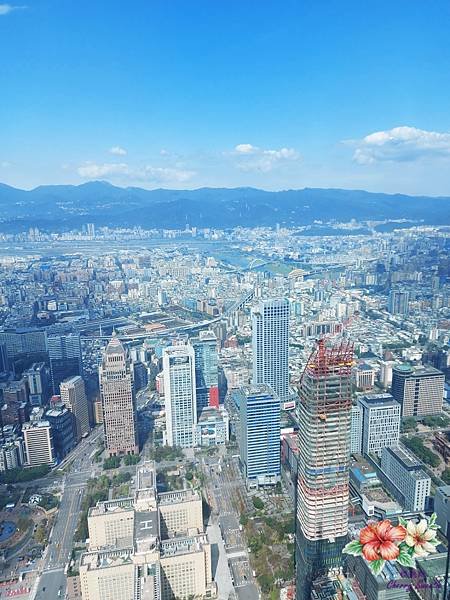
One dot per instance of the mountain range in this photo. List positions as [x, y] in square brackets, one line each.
[57, 207]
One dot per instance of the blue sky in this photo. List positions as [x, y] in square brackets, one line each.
[191, 93]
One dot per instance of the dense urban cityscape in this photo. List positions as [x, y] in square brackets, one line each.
[215, 413]
[224, 300]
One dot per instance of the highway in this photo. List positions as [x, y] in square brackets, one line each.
[52, 582]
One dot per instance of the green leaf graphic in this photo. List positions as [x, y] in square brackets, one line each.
[354, 548]
[377, 566]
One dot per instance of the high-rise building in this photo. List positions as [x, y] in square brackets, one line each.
[442, 508]
[38, 438]
[37, 381]
[65, 358]
[118, 401]
[381, 422]
[270, 341]
[419, 390]
[206, 370]
[407, 474]
[73, 396]
[259, 446]
[62, 422]
[180, 395]
[398, 303]
[324, 416]
[356, 430]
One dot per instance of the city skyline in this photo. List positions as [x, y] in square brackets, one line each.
[189, 95]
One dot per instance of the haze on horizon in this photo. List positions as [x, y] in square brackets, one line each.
[184, 95]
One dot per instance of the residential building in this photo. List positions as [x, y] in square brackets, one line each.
[407, 474]
[259, 447]
[324, 417]
[270, 343]
[419, 390]
[180, 395]
[398, 302]
[24, 340]
[206, 370]
[73, 396]
[381, 422]
[118, 401]
[38, 439]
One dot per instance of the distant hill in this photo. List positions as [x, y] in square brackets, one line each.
[67, 206]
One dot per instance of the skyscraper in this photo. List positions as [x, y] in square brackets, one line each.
[270, 340]
[73, 396]
[380, 422]
[118, 401]
[180, 395]
[324, 415]
[206, 370]
[419, 390]
[65, 358]
[259, 443]
[398, 303]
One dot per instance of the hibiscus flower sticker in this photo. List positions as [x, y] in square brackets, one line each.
[402, 543]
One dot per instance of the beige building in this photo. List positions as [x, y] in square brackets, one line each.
[148, 546]
[186, 568]
[98, 412]
[118, 401]
[180, 512]
[111, 524]
[73, 395]
[38, 441]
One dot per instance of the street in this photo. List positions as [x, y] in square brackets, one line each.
[52, 582]
[223, 483]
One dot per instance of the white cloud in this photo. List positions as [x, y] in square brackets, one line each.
[401, 144]
[245, 148]
[93, 171]
[252, 158]
[4, 164]
[118, 151]
[164, 152]
[147, 173]
[5, 9]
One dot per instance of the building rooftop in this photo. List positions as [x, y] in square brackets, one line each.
[106, 558]
[180, 496]
[183, 545]
[375, 400]
[112, 506]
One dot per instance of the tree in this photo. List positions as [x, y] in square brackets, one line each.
[243, 519]
[258, 503]
[113, 462]
[409, 424]
[131, 459]
[189, 476]
[40, 534]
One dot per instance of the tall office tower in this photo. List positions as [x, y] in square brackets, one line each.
[398, 302]
[73, 395]
[63, 430]
[206, 370]
[180, 395]
[270, 340]
[380, 422]
[37, 381]
[118, 401]
[38, 438]
[259, 446]
[419, 390]
[324, 416]
[65, 358]
[356, 429]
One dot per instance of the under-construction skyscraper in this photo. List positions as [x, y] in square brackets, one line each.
[324, 415]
